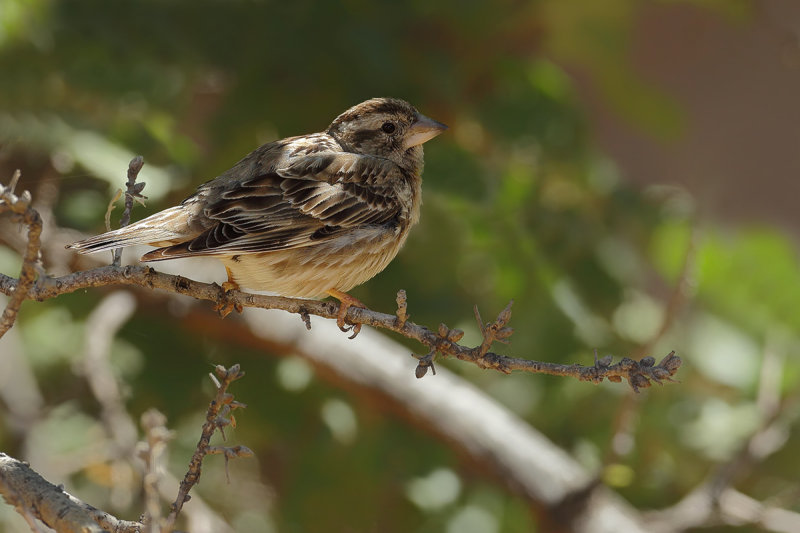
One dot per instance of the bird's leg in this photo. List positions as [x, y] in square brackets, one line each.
[230, 285]
[224, 307]
[345, 303]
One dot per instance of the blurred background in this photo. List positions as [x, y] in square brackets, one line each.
[626, 171]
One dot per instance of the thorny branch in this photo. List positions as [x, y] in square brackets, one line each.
[444, 341]
[218, 416]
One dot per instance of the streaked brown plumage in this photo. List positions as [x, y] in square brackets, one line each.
[303, 216]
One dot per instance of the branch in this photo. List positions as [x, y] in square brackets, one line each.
[20, 207]
[151, 451]
[639, 374]
[490, 440]
[33, 495]
[102, 325]
[133, 192]
[699, 509]
[715, 500]
[217, 417]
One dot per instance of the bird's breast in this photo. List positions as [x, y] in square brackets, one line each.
[309, 271]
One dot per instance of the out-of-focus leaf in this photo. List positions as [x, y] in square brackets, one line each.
[752, 276]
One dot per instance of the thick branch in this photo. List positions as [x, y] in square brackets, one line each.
[26, 490]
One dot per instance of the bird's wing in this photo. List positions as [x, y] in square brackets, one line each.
[309, 199]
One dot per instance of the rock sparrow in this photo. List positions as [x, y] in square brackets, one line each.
[304, 216]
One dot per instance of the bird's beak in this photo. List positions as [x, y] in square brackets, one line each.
[423, 129]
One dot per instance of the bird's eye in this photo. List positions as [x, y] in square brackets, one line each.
[388, 127]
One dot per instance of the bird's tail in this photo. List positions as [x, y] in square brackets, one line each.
[153, 230]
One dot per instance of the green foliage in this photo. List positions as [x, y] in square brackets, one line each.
[517, 204]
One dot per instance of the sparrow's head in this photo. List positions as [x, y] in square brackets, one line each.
[386, 127]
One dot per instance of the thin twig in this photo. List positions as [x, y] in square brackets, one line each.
[402, 308]
[20, 207]
[639, 374]
[133, 191]
[216, 419]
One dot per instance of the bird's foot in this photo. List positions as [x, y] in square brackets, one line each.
[225, 306]
[230, 286]
[345, 303]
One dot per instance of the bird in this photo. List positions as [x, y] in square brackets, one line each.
[308, 216]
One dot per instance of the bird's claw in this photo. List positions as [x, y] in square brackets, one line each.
[225, 306]
[340, 316]
[230, 286]
[345, 303]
